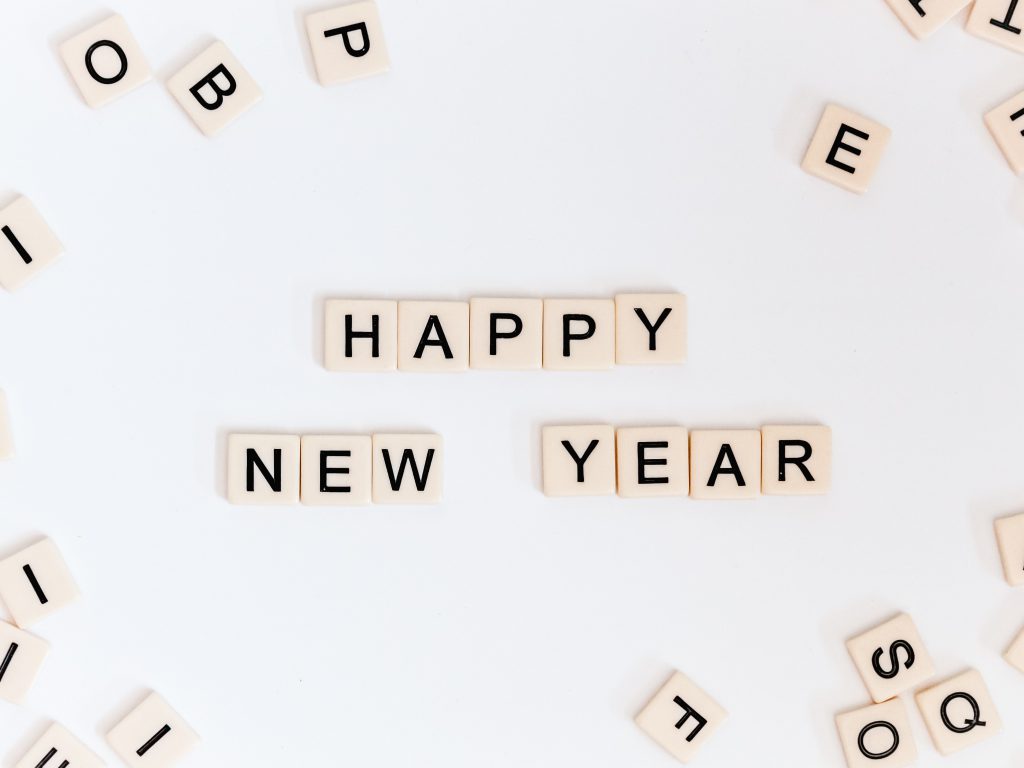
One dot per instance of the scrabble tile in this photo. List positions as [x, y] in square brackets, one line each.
[36, 582]
[1010, 535]
[433, 336]
[105, 61]
[1006, 124]
[152, 736]
[877, 735]
[681, 718]
[506, 334]
[347, 42]
[959, 712]
[360, 335]
[578, 461]
[891, 658]
[214, 89]
[998, 21]
[923, 17]
[796, 460]
[653, 461]
[21, 656]
[337, 470]
[1015, 653]
[263, 469]
[650, 328]
[58, 748]
[846, 149]
[579, 334]
[408, 469]
[725, 463]
[6, 433]
[27, 244]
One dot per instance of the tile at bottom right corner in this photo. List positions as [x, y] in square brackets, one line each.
[959, 712]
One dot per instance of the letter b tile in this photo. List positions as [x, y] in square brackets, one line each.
[959, 712]
[846, 149]
[877, 735]
[347, 42]
[214, 89]
[152, 736]
[891, 658]
[6, 435]
[35, 582]
[681, 717]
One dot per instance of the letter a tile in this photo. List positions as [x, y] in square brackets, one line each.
[681, 718]
[214, 89]
[27, 244]
[846, 149]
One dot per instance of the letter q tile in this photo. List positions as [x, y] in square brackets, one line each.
[998, 21]
[214, 89]
[578, 460]
[152, 736]
[923, 17]
[681, 718]
[35, 583]
[263, 469]
[1006, 124]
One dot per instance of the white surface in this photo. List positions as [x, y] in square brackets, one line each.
[550, 149]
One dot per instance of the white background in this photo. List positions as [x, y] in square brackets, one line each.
[555, 148]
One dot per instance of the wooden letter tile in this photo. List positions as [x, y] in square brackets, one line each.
[35, 582]
[959, 712]
[214, 89]
[408, 469]
[105, 61]
[796, 460]
[506, 334]
[891, 658]
[59, 748]
[433, 336]
[337, 470]
[877, 735]
[152, 736]
[725, 463]
[27, 244]
[1006, 124]
[923, 17]
[360, 335]
[846, 149]
[650, 328]
[263, 469]
[347, 42]
[1010, 535]
[578, 461]
[998, 21]
[21, 656]
[579, 334]
[681, 718]
[653, 461]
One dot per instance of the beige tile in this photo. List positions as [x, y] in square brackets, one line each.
[152, 736]
[579, 334]
[214, 89]
[27, 244]
[347, 42]
[337, 470]
[959, 712]
[1015, 653]
[998, 21]
[263, 469]
[653, 461]
[578, 460]
[796, 460]
[36, 582]
[360, 335]
[21, 656]
[105, 61]
[433, 336]
[57, 748]
[506, 334]
[891, 658]
[681, 718]
[846, 149]
[725, 463]
[1010, 535]
[6, 431]
[877, 735]
[408, 469]
[1006, 124]
[650, 328]
[923, 17]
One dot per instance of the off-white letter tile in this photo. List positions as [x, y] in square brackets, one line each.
[6, 432]
[347, 42]
[152, 736]
[959, 712]
[360, 335]
[36, 582]
[999, 21]
[796, 460]
[891, 658]
[1006, 124]
[579, 334]
[877, 735]
[725, 463]
[846, 148]
[922, 17]
[681, 718]
[214, 88]
[336, 470]
[1015, 653]
[1010, 534]
[408, 469]
[21, 656]
[433, 336]
[263, 469]
[105, 61]
[653, 461]
[650, 328]
[59, 748]
[27, 244]
[506, 334]
[578, 461]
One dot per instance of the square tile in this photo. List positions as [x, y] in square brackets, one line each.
[152, 736]
[408, 469]
[579, 334]
[214, 89]
[681, 718]
[725, 463]
[796, 460]
[337, 470]
[846, 149]
[360, 335]
[923, 17]
[652, 461]
[959, 712]
[578, 461]
[650, 328]
[263, 469]
[27, 244]
[21, 656]
[1006, 124]
[998, 21]
[6, 432]
[1010, 535]
[506, 334]
[57, 748]
[36, 582]
[347, 42]
[105, 61]
[891, 658]
[433, 336]
[1015, 653]
[877, 735]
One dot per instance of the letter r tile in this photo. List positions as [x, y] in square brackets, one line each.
[681, 717]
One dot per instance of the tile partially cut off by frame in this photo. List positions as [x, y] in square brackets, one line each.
[214, 89]
[27, 244]
[152, 735]
[59, 747]
[21, 656]
[1006, 124]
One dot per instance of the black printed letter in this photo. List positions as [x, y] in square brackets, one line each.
[433, 324]
[517, 328]
[121, 72]
[799, 461]
[253, 461]
[580, 460]
[1005, 22]
[408, 458]
[652, 330]
[17, 244]
[719, 469]
[838, 144]
[218, 92]
[690, 712]
[974, 721]
[373, 335]
[642, 461]
[568, 336]
[870, 727]
[325, 470]
[344, 32]
[894, 660]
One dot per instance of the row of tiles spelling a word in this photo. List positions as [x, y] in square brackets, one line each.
[505, 334]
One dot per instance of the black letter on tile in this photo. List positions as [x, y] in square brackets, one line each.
[838, 144]
[373, 335]
[218, 92]
[870, 727]
[325, 470]
[7, 659]
[155, 738]
[580, 460]
[517, 328]
[642, 461]
[894, 659]
[719, 469]
[799, 461]
[652, 330]
[970, 724]
[433, 324]
[43, 599]
[917, 7]
[690, 712]
[1005, 22]
[252, 461]
[568, 336]
[344, 32]
[120, 55]
[1015, 116]
[48, 755]
[408, 458]
[17, 244]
